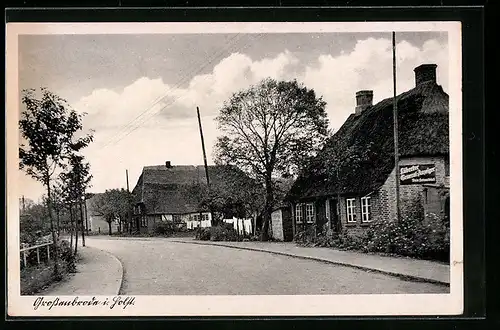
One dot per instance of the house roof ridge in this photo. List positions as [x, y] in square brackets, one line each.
[423, 130]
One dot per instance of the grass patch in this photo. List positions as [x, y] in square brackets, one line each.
[36, 278]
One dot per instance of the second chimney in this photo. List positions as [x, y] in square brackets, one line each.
[425, 73]
[364, 99]
[168, 164]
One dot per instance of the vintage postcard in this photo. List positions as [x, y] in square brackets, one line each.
[234, 169]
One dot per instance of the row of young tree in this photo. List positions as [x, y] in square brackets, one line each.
[271, 130]
[52, 140]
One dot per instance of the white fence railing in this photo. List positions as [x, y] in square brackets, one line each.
[25, 251]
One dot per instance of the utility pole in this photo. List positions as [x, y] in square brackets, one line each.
[86, 215]
[129, 211]
[204, 155]
[82, 199]
[396, 129]
[203, 146]
[126, 173]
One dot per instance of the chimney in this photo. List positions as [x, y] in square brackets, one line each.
[364, 99]
[425, 73]
[168, 164]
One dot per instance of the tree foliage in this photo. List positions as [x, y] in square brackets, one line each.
[231, 193]
[270, 130]
[112, 205]
[48, 127]
[49, 137]
[33, 223]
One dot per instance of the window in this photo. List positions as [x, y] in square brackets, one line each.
[204, 217]
[351, 209]
[176, 218]
[309, 212]
[298, 213]
[366, 209]
[144, 221]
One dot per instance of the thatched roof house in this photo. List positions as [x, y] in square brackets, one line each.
[175, 193]
[359, 159]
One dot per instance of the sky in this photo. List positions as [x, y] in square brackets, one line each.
[140, 92]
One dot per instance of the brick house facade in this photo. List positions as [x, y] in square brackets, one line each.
[352, 181]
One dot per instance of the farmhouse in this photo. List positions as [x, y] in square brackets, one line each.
[167, 193]
[352, 180]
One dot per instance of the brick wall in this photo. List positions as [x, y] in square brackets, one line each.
[359, 227]
[407, 193]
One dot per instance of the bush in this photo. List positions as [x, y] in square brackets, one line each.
[203, 234]
[37, 276]
[411, 237]
[67, 255]
[222, 232]
[164, 228]
[414, 236]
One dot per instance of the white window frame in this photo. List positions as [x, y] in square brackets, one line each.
[351, 210]
[205, 217]
[144, 221]
[366, 209]
[298, 213]
[310, 213]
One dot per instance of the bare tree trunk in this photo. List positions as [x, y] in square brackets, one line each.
[81, 224]
[71, 226]
[238, 227]
[58, 223]
[54, 238]
[86, 217]
[109, 228]
[76, 231]
[268, 209]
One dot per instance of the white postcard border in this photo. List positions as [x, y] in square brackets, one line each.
[310, 305]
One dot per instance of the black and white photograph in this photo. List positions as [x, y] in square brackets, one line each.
[184, 169]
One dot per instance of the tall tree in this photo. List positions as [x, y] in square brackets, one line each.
[76, 179]
[57, 204]
[49, 129]
[112, 205]
[270, 130]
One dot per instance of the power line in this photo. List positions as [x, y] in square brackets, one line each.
[160, 98]
[163, 108]
[183, 79]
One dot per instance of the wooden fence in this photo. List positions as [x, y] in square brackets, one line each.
[27, 250]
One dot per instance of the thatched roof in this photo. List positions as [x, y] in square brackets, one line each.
[163, 190]
[363, 148]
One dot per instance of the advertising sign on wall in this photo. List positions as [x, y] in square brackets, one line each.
[417, 174]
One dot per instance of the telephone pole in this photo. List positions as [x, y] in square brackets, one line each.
[396, 129]
[129, 224]
[203, 146]
[204, 155]
[126, 173]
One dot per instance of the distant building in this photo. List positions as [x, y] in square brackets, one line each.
[167, 193]
[97, 223]
[352, 180]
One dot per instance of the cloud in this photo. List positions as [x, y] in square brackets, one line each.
[129, 136]
[369, 66]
